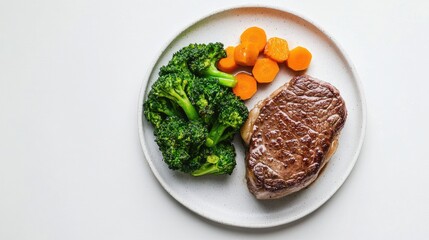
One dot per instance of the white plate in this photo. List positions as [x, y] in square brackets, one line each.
[225, 199]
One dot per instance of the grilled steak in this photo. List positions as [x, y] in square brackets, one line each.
[291, 135]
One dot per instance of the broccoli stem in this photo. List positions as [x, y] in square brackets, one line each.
[209, 167]
[226, 136]
[224, 79]
[189, 109]
[185, 104]
[215, 134]
[168, 112]
[205, 169]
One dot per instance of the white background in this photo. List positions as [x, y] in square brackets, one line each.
[71, 165]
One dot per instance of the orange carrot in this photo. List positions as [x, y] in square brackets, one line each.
[299, 59]
[246, 86]
[228, 64]
[265, 70]
[255, 35]
[246, 54]
[277, 49]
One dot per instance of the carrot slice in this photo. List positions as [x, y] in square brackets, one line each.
[246, 54]
[299, 58]
[277, 49]
[255, 35]
[228, 64]
[265, 70]
[246, 86]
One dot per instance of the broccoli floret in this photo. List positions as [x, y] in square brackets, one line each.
[177, 64]
[205, 95]
[232, 114]
[179, 140]
[218, 160]
[202, 59]
[199, 59]
[156, 109]
[172, 86]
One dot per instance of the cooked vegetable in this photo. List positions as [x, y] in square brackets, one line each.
[219, 159]
[156, 109]
[299, 59]
[172, 86]
[232, 114]
[178, 140]
[205, 95]
[246, 86]
[246, 54]
[277, 49]
[228, 63]
[189, 98]
[177, 64]
[254, 35]
[265, 70]
[202, 60]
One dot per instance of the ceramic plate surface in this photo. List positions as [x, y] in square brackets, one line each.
[226, 199]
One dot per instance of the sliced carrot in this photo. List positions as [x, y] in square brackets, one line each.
[246, 54]
[255, 35]
[228, 64]
[277, 49]
[265, 70]
[299, 58]
[246, 86]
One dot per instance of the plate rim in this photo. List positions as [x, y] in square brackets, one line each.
[343, 54]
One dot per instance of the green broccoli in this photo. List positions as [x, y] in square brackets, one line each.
[232, 115]
[199, 59]
[202, 59]
[205, 95]
[172, 86]
[177, 64]
[179, 140]
[156, 109]
[219, 159]
[194, 112]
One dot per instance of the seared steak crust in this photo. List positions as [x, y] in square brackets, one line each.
[293, 136]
